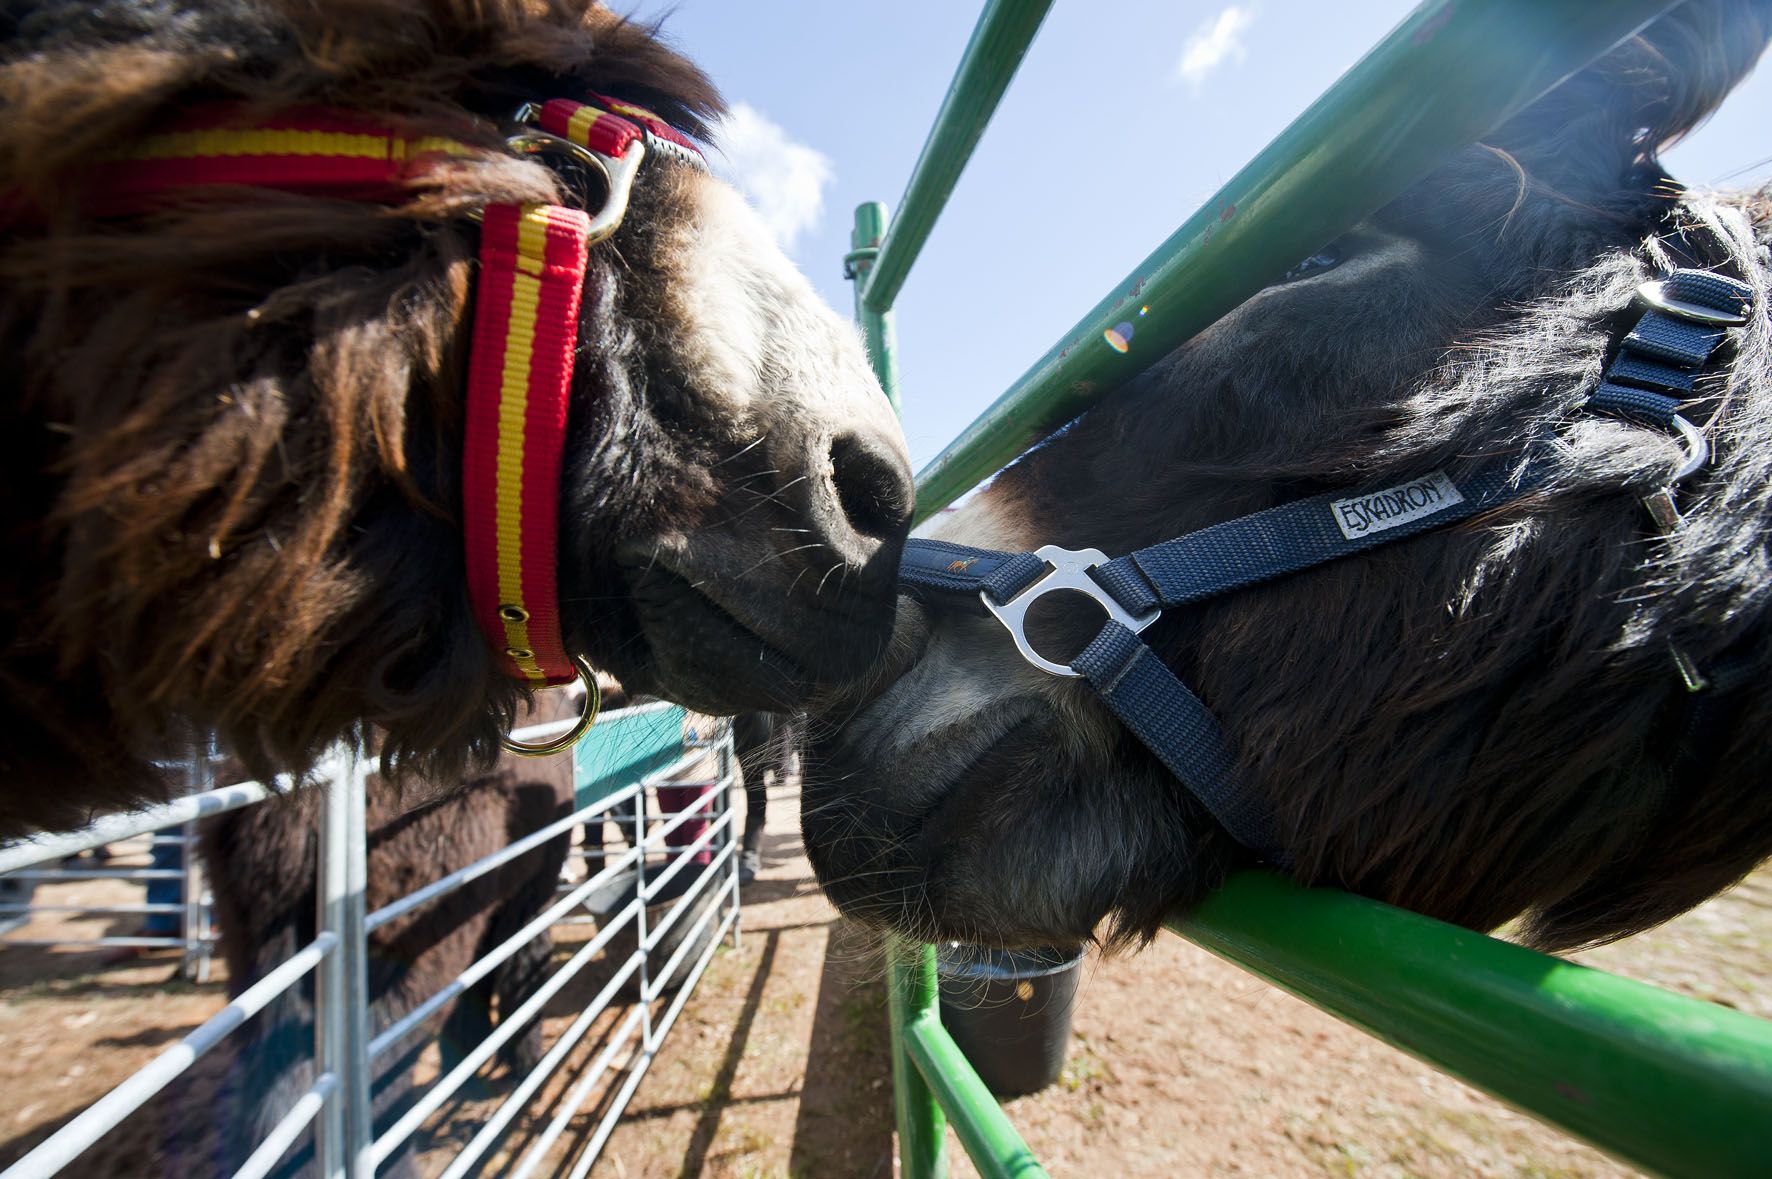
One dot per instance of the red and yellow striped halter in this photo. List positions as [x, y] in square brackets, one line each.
[533, 260]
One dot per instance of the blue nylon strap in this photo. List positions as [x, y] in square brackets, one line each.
[1635, 403]
[1173, 724]
[957, 571]
[1659, 361]
[1012, 576]
[1706, 288]
[1307, 532]
[1673, 341]
[1651, 374]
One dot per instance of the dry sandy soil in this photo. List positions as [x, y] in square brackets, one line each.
[1180, 1064]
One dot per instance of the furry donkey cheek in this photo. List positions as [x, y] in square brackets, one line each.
[757, 342]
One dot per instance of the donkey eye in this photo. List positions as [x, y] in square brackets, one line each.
[1327, 258]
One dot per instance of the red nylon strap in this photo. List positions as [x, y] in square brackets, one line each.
[587, 126]
[318, 152]
[648, 120]
[532, 268]
[532, 265]
[611, 133]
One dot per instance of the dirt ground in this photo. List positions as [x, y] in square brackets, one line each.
[1180, 1064]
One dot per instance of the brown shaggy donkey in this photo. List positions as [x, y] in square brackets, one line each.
[231, 428]
[1481, 721]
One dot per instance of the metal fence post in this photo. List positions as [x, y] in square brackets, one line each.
[196, 915]
[910, 968]
[999, 41]
[341, 985]
[726, 766]
[876, 326]
[922, 1127]
[639, 903]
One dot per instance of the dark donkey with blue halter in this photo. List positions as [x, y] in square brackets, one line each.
[1445, 574]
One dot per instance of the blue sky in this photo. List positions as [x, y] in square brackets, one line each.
[1123, 119]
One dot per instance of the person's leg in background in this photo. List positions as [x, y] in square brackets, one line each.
[752, 739]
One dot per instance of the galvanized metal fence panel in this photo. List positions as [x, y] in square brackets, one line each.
[337, 1103]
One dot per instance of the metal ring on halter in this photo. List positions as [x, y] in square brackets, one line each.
[1654, 293]
[1069, 572]
[1697, 450]
[617, 174]
[571, 737]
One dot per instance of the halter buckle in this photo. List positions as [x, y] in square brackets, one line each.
[1070, 571]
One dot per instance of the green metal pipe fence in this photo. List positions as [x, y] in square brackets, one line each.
[1673, 1085]
[1449, 73]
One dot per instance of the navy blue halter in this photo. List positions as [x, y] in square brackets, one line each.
[1656, 367]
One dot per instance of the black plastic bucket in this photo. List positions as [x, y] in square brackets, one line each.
[1009, 1011]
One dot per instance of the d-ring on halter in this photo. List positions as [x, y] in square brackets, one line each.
[572, 736]
[1070, 573]
[618, 171]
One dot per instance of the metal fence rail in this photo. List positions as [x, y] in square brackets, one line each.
[1671, 1084]
[177, 892]
[188, 903]
[1676, 1085]
[1448, 74]
[336, 1104]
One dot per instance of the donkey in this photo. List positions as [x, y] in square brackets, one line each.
[1558, 709]
[261, 864]
[237, 435]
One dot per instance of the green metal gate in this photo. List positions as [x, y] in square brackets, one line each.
[1673, 1085]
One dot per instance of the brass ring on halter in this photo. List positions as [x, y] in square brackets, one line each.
[571, 737]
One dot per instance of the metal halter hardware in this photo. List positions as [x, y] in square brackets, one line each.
[1654, 293]
[618, 173]
[566, 740]
[1070, 571]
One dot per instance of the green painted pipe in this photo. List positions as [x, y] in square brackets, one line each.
[999, 41]
[1452, 71]
[1670, 1084]
[912, 1002]
[876, 326]
[984, 1130]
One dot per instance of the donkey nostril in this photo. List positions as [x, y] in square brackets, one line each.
[872, 485]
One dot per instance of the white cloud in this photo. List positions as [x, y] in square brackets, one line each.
[784, 179]
[1212, 44]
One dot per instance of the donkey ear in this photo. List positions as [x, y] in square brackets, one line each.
[1650, 90]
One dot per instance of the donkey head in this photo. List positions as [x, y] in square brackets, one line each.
[234, 427]
[1476, 723]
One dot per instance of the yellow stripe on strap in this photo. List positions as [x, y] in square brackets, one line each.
[174, 145]
[513, 405]
[578, 128]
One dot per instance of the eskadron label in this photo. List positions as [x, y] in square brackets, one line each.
[1393, 507]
